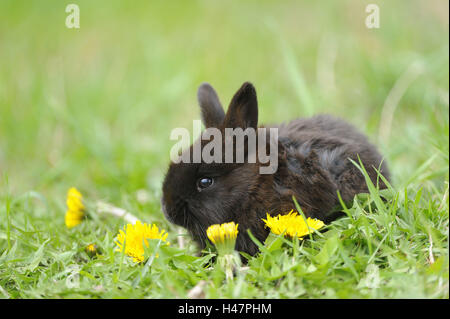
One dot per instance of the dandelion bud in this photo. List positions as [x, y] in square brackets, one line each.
[224, 238]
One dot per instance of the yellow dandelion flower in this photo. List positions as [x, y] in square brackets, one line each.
[133, 236]
[73, 218]
[292, 224]
[220, 233]
[223, 236]
[74, 200]
[75, 211]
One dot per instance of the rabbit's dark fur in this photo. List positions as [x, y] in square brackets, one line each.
[313, 164]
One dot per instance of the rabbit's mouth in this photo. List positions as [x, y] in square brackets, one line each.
[176, 214]
[180, 214]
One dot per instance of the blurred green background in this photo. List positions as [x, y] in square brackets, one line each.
[93, 107]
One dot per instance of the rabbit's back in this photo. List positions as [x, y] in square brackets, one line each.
[321, 126]
[334, 141]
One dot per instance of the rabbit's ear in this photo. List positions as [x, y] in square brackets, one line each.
[212, 111]
[243, 109]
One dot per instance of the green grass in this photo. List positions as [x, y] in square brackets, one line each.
[94, 107]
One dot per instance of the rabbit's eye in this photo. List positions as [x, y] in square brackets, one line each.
[204, 182]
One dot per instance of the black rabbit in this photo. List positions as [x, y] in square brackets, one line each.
[313, 164]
